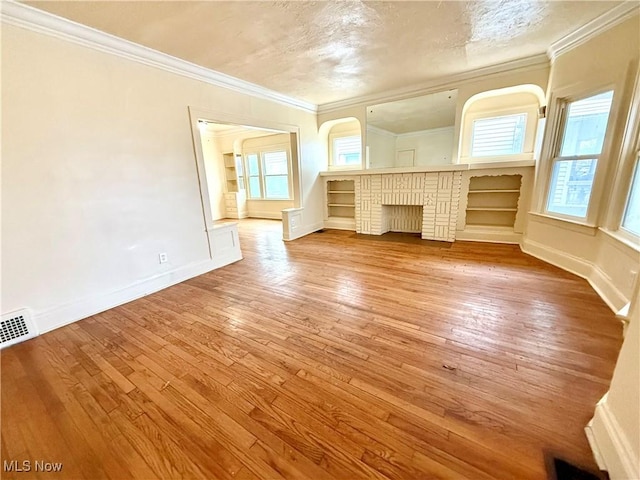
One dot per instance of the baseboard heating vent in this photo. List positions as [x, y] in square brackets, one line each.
[16, 327]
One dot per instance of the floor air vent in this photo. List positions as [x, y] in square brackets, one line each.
[16, 327]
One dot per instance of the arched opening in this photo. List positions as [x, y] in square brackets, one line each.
[502, 125]
[342, 139]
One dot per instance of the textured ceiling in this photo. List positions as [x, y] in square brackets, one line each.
[322, 51]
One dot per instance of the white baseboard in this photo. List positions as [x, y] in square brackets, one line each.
[303, 231]
[607, 290]
[489, 235]
[338, 223]
[62, 315]
[556, 257]
[609, 444]
[600, 282]
[268, 215]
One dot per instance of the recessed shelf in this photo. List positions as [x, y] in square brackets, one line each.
[492, 201]
[495, 191]
[491, 209]
[341, 200]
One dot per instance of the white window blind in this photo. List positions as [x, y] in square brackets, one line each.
[502, 135]
[347, 150]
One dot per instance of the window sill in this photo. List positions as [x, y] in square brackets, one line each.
[567, 224]
[269, 199]
[624, 238]
[333, 168]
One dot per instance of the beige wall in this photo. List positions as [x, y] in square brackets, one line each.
[99, 176]
[623, 399]
[608, 61]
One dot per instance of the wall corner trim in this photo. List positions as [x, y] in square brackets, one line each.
[607, 20]
[30, 18]
[610, 445]
[598, 280]
[62, 315]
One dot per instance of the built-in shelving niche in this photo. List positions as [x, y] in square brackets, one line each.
[493, 201]
[341, 204]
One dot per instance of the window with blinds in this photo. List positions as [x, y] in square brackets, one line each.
[347, 151]
[495, 136]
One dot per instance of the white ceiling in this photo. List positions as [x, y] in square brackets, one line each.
[326, 51]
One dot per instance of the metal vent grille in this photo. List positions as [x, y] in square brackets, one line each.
[16, 327]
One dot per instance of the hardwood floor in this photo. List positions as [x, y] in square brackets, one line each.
[329, 357]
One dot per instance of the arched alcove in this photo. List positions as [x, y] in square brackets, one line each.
[501, 125]
[340, 134]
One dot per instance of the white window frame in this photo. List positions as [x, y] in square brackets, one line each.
[628, 164]
[528, 145]
[635, 172]
[556, 130]
[332, 138]
[263, 175]
[249, 176]
[261, 171]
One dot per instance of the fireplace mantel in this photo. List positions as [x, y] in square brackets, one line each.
[390, 199]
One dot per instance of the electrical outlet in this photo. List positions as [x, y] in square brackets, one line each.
[163, 257]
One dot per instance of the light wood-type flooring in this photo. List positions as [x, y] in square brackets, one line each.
[330, 357]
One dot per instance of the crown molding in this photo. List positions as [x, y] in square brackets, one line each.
[438, 84]
[24, 16]
[607, 20]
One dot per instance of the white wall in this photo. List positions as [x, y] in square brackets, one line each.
[99, 175]
[213, 164]
[614, 432]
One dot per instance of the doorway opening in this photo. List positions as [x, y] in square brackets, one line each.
[246, 168]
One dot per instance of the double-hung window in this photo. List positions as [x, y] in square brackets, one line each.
[268, 175]
[276, 174]
[253, 168]
[583, 124]
[631, 218]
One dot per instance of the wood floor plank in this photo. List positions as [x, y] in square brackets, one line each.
[329, 357]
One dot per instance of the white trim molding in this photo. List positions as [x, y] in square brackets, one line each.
[24, 16]
[224, 247]
[609, 19]
[598, 280]
[610, 446]
[293, 224]
[534, 62]
[62, 315]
